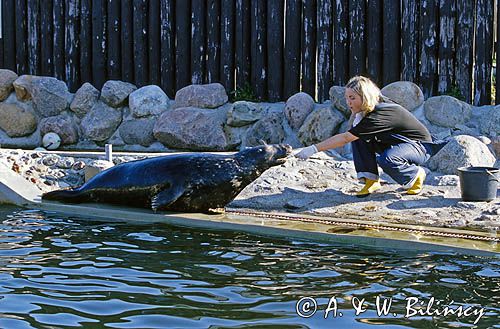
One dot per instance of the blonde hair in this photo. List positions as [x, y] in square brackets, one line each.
[367, 90]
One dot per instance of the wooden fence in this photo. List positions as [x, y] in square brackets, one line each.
[273, 48]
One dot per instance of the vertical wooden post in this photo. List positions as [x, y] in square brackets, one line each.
[99, 72]
[214, 26]
[325, 49]
[197, 41]
[154, 24]
[167, 35]
[484, 53]
[308, 46]
[46, 42]
[127, 41]
[291, 78]
[409, 41]
[72, 44]
[9, 34]
[227, 44]
[428, 49]
[464, 47]
[58, 49]
[374, 40]
[497, 75]
[114, 43]
[86, 41]
[391, 42]
[242, 43]
[21, 37]
[140, 17]
[275, 14]
[258, 51]
[2, 29]
[33, 8]
[183, 39]
[357, 46]
[341, 42]
[446, 45]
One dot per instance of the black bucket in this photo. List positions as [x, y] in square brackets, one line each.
[478, 183]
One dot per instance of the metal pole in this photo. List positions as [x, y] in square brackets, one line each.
[108, 148]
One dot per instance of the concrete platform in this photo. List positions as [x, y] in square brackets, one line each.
[15, 190]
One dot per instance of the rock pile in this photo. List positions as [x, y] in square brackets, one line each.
[50, 171]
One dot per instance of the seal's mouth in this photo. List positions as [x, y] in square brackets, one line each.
[282, 153]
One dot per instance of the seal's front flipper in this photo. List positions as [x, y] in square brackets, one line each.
[166, 197]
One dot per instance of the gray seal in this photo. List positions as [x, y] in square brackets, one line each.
[193, 182]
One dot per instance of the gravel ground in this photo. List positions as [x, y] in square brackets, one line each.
[322, 185]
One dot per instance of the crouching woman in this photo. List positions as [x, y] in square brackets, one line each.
[383, 134]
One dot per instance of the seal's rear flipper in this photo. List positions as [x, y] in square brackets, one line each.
[71, 196]
[166, 197]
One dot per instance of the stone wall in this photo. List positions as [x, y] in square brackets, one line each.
[201, 119]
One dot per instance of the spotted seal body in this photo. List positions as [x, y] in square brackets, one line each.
[186, 182]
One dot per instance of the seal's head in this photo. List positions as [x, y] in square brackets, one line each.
[265, 156]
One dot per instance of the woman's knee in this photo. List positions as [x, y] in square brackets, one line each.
[386, 160]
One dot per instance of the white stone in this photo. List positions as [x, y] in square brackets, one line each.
[51, 141]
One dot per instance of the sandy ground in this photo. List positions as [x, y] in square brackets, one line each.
[325, 185]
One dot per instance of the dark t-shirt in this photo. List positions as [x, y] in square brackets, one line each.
[388, 120]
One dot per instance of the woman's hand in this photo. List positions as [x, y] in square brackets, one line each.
[306, 152]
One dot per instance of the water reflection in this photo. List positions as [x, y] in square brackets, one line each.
[68, 272]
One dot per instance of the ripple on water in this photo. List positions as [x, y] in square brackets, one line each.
[69, 272]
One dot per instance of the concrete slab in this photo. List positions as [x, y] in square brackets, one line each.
[15, 189]
[378, 238]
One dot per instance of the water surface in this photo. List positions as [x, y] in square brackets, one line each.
[62, 272]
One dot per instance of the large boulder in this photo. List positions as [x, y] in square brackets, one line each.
[297, 108]
[495, 146]
[405, 93]
[148, 100]
[16, 120]
[337, 96]
[22, 87]
[26, 142]
[319, 125]
[461, 151]
[7, 77]
[243, 113]
[63, 125]
[85, 99]
[346, 150]
[192, 128]
[138, 131]
[234, 135]
[489, 122]
[50, 96]
[101, 122]
[447, 111]
[269, 129]
[202, 96]
[115, 93]
[437, 132]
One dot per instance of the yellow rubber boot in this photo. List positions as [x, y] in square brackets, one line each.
[370, 187]
[418, 185]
